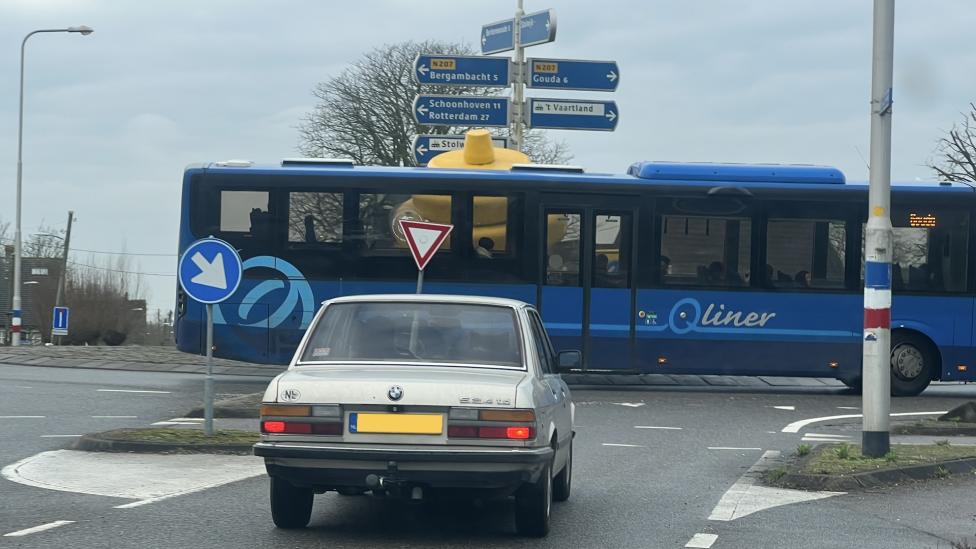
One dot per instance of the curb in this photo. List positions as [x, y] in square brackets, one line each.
[874, 479]
[934, 431]
[240, 407]
[94, 443]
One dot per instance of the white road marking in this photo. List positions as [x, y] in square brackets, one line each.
[789, 408]
[37, 529]
[655, 427]
[59, 436]
[624, 445]
[629, 404]
[146, 478]
[701, 541]
[132, 391]
[797, 425]
[197, 419]
[116, 417]
[747, 496]
[848, 408]
[22, 387]
[21, 417]
[818, 439]
[730, 448]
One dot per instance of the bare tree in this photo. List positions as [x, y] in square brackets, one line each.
[365, 113]
[46, 242]
[957, 151]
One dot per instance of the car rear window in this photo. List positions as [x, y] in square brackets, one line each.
[416, 332]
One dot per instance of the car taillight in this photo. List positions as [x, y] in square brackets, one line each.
[301, 428]
[519, 432]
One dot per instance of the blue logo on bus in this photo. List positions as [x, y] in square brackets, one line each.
[298, 298]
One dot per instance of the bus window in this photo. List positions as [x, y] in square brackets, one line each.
[489, 226]
[563, 249]
[611, 251]
[244, 212]
[380, 215]
[805, 253]
[706, 251]
[931, 246]
[314, 218]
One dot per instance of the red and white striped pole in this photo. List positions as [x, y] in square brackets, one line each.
[875, 437]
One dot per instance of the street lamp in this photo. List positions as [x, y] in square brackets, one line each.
[15, 319]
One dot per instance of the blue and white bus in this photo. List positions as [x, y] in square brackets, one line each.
[671, 268]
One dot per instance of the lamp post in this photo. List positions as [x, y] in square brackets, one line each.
[15, 305]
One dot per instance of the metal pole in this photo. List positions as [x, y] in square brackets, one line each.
[420, 281]
[518, 86]
[208, 390]
[64, 271]
[875, 437]
[15, 318]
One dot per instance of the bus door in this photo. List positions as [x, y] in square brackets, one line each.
[586, 296]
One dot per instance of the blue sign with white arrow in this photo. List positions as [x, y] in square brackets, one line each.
[59, 324]
[428, 146]
[210, 270]
[462, 70]
[572, 114]
[461, 110]
[536, 28]
[570, 74]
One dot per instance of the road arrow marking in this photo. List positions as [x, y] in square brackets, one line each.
[211, 273]
[612, 76]
[422, 69]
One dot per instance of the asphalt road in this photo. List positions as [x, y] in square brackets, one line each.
[651, 465]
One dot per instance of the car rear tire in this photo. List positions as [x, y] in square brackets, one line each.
[562, 485]
[913, 363]
[533, 504]
[291, 506]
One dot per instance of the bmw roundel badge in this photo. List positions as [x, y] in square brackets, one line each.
[395, 393]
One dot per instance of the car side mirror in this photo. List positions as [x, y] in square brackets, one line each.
[567, 361]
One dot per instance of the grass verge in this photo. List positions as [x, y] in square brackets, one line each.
[180, 436]
[847, 458]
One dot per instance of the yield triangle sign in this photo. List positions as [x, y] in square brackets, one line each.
[424, 239]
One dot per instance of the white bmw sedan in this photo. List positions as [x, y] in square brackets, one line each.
[414, 396]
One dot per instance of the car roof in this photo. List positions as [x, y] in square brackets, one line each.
[430, 298]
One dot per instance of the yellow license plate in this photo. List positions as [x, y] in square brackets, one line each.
[396, 424]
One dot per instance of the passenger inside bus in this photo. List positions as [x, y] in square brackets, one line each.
[485, 247]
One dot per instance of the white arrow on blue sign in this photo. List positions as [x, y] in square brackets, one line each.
[426, 147]
[572, 114]
[537, 28]
[210, 270]
[462, 70]
[573, 74]
[461, 110]
[59, 325]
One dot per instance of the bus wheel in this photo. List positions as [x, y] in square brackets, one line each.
[912, 364]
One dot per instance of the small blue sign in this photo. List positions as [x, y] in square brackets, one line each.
[462, 70]
[536, 28]
[210, 270]
[461, 110]
[426, 147]
[59, 324]
[569, 74]
[573, 114]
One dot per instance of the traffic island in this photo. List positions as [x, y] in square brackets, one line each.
[960, 421]
[842, 468]
[160, 440]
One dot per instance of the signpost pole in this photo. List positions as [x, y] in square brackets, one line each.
[875, 436]
[208, 391]
[518, 83]
[420, 281]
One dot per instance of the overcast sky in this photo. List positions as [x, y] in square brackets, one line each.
[113, 118]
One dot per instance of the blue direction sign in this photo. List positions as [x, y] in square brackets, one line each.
[461, 110]
[569, 74]
[59, 325]
[573, 114]
[462, 70]
[426, 147]
[210, 270]
[537, 28]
